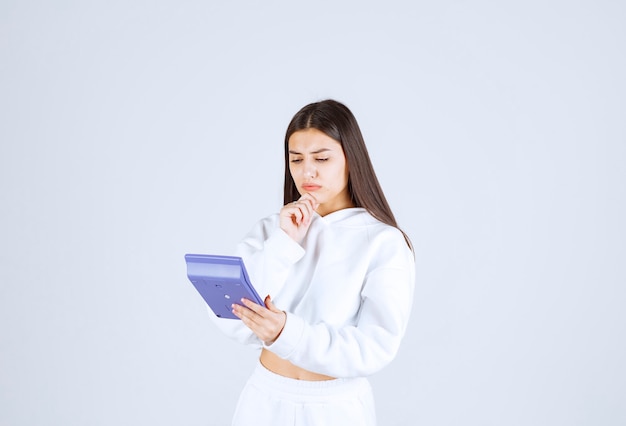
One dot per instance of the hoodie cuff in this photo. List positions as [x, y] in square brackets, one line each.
[289, 338]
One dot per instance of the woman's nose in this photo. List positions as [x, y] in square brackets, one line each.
[310, 172]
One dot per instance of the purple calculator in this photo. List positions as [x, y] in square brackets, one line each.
[221, 281]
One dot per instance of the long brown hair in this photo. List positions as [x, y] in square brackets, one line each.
[337, 121]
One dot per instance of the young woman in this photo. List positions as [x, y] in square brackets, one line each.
[338, 275]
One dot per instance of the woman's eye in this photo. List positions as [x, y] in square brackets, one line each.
[296, 160]
[321, 160]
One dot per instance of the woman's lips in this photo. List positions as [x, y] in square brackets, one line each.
[310, 187]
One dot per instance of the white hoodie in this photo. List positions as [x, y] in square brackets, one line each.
[347, 290]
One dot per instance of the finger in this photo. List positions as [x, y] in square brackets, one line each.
[251, 319]
[290, 208]
[295, 212]
[306, 208]
[310, 197]
[240, 309]
[307, 202]
[255, 308]
[301, 210]
[298, 216]
[235, 310]
[261, 325]
[311, 204]
[265, 323]
[242, 314]
[270, 305]
[303, 214]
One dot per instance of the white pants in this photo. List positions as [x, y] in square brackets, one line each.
[268, 399]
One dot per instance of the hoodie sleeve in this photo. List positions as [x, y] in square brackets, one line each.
[367, 346]
[268, 253]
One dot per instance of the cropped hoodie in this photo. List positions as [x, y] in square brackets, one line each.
[347, 290]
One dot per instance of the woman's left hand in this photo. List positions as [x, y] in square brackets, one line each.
[266, 322]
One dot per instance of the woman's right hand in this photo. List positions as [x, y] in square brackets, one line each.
[295, 218]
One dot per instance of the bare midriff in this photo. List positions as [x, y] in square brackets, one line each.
[284, 368]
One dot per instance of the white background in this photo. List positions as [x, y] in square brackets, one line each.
[133, 132]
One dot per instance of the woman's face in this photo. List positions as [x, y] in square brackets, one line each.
[318, 167]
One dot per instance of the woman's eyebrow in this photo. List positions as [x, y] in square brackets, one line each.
[318, 151]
